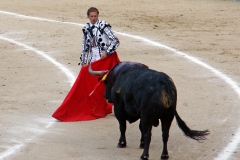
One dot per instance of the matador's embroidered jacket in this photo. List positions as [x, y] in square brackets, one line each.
[97, 38]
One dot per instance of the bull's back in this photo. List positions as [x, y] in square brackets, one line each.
[142, 89]
[155, 91]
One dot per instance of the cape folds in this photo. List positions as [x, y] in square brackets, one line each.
[81, 103]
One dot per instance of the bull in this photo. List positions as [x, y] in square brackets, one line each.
[138, 92]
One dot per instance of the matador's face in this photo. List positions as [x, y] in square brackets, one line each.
[93, 17]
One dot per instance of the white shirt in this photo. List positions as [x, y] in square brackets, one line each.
[97, 38]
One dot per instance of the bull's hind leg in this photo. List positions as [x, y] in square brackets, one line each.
[147, 134]
[166, 124]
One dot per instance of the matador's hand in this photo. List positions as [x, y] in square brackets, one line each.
[104, 55]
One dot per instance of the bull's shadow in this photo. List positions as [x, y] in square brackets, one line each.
[138, 92]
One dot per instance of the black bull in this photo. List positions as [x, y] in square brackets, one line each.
[139, 92]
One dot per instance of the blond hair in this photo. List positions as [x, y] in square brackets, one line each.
[92, 9]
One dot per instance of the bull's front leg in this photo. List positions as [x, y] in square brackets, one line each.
[122, 140]
[142, 136]
[120, 115]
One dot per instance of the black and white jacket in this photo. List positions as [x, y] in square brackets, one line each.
[99, 37]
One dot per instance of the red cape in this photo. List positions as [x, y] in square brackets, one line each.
[78, 104]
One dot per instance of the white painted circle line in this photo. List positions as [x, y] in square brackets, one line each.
[10, 151]
[228, 80]
[70, 76]
[231, 147]
[38, 18]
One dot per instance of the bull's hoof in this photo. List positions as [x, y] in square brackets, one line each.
[144, 158]
[122, 145]
[164, 156]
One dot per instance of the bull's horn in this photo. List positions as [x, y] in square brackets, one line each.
[96, 73]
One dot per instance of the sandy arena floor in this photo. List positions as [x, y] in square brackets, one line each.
[196, 42]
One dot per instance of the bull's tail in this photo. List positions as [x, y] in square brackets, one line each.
[194, 134]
